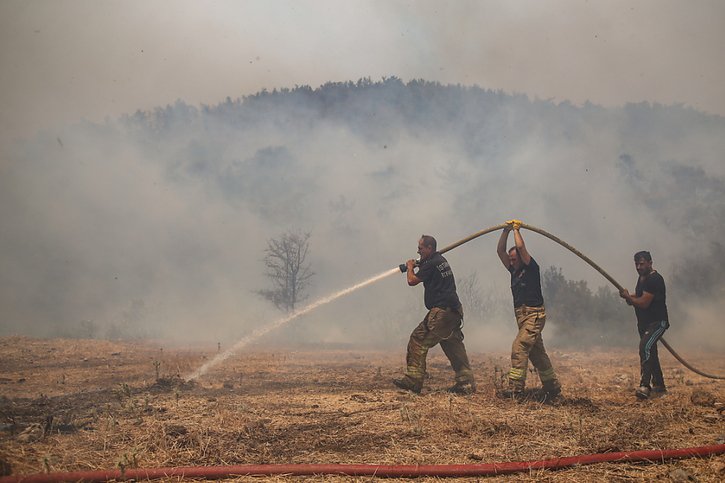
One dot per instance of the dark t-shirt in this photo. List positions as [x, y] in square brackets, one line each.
[440, 286]
[657, 310]
[526, 285]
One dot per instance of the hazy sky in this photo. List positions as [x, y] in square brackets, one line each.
[65, 60]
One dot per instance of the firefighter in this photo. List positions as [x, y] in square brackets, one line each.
[441, 325]
[530, 316]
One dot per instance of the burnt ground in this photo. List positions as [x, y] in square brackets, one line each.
[72, 405]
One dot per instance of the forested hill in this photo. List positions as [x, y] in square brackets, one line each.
[174, 206]
[484, 121]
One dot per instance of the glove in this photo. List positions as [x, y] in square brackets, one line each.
[514, 224]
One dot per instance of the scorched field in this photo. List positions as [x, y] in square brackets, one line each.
[77, 405]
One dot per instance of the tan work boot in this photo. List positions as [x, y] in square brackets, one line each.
[407, 383]
[463, 388]
[514, 391]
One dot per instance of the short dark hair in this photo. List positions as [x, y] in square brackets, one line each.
[429, 241]
[514, 248]
[643, 254]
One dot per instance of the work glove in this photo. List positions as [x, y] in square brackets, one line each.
[514, 224]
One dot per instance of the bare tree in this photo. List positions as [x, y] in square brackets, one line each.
[480, 304]
[470, 292]
[287, 269]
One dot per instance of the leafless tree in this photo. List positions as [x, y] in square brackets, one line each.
[287, 270]
[480, 304]
[470, 292]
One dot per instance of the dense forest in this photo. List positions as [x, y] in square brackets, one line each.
[149, 224]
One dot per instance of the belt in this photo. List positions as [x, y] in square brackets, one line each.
[455, 309]
[526, 309]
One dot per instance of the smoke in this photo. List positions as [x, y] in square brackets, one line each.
[155, 224]
[697, 324]
[74, 59]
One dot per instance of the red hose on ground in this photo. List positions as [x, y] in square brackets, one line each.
[400, 471]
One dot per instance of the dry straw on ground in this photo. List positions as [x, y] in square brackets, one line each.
[69, 405]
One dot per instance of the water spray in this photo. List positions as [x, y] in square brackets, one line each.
[278, 323]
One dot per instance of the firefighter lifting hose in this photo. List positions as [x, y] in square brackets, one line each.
[576, 252]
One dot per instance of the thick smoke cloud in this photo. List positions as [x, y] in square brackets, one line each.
[155, 224]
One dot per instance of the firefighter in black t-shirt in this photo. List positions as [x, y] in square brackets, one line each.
[650, 307]
[441, 325]
[530, 316]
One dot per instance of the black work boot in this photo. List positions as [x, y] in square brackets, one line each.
[642, 392]
[658, 390]
[407, 383]
[551, 389]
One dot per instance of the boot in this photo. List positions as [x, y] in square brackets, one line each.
[515, 390]
[642, 392]
[658, 390]
[407, 383]
[551, 389]
[463, 388]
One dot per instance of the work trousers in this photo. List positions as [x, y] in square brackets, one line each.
[649, 359]
[440, 326]
[530, 345]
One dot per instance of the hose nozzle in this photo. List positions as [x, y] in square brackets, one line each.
[404, 267]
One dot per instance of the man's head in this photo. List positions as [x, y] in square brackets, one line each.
[514, 258]
[643, 263]
[427, 246]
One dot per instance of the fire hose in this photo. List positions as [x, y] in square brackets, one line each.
[590, 262]
[382, 471]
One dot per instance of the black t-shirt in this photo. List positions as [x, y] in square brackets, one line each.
[440, 286]
[526, 285]
[657, 310]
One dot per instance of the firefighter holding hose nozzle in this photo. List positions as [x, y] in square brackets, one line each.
[441, 325]
[650, 307]
[530, 316]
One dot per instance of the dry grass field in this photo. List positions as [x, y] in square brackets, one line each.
[70, 405]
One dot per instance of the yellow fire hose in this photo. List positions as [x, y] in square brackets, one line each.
[590, 262]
